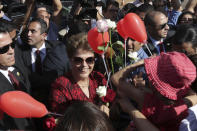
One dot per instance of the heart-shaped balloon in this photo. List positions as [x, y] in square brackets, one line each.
[19, 104]
[97, 39]
[134, 27]
[121, 30]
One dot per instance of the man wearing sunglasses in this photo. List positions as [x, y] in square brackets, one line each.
[157, 30]
[12, 77]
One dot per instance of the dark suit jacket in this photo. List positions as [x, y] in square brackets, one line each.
[151, 47]
[40, 84]
[15, 123]
[57, 62]
[25, 52]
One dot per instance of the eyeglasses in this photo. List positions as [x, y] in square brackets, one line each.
[79, 60]
[160, 27]
[5, 49]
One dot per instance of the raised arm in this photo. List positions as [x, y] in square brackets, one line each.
[57, 6]
[124, 87]
[191, 5]
[140, 121]
[176, 4]
[30, 6]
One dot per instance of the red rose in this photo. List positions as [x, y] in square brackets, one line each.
[49, 124]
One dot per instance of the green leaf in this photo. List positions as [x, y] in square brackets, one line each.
[101, 48]
[118, 43]
[118, 46]
[106, 46]
[119, 60]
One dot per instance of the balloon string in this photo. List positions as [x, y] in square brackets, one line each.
[103, 57]
[148, 49]
[125, 53]
[108, 79]
[56, 114]
[108, 74]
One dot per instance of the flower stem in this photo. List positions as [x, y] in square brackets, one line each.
[112, 65]
[125, 51]
[103, 56]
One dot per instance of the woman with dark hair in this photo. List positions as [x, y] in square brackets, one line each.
[84, 116]
[185, 40]
[186, 17]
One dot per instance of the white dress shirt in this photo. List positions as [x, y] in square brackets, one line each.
[5, 73]
[156, 44]
[42, 50]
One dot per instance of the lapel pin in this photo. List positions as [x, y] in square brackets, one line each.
[18, 74]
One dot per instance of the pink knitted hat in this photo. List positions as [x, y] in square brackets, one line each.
[171, 74]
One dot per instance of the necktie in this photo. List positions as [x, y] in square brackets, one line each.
[161, 47]
[14, 81]
[38, 63]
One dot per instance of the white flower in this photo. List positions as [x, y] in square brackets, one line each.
[101, 91]
[111, 24]
[133, 55]
[102, 25]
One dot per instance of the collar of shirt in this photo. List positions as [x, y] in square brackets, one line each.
[5, 72]
[155, 42]
[42, 49]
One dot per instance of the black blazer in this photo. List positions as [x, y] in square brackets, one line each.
[15, 123]
[40, 84]
[25, 53]
[151, 47]
[57, 61]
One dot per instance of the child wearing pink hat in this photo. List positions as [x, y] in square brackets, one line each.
[169, 78]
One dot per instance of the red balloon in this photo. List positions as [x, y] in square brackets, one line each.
[121, 29]
[19, 104]
[96, 39]
[135, 28]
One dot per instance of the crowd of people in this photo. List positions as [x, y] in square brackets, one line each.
[47, 55]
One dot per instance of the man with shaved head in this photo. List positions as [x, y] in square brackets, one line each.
[157, 30]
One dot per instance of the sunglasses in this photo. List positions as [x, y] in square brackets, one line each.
[79, 60]
[5, 49]
[186, 20]
[160, 27]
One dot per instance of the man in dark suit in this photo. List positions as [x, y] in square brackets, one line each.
[33, 55]
[157, 30]
[12, 77]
